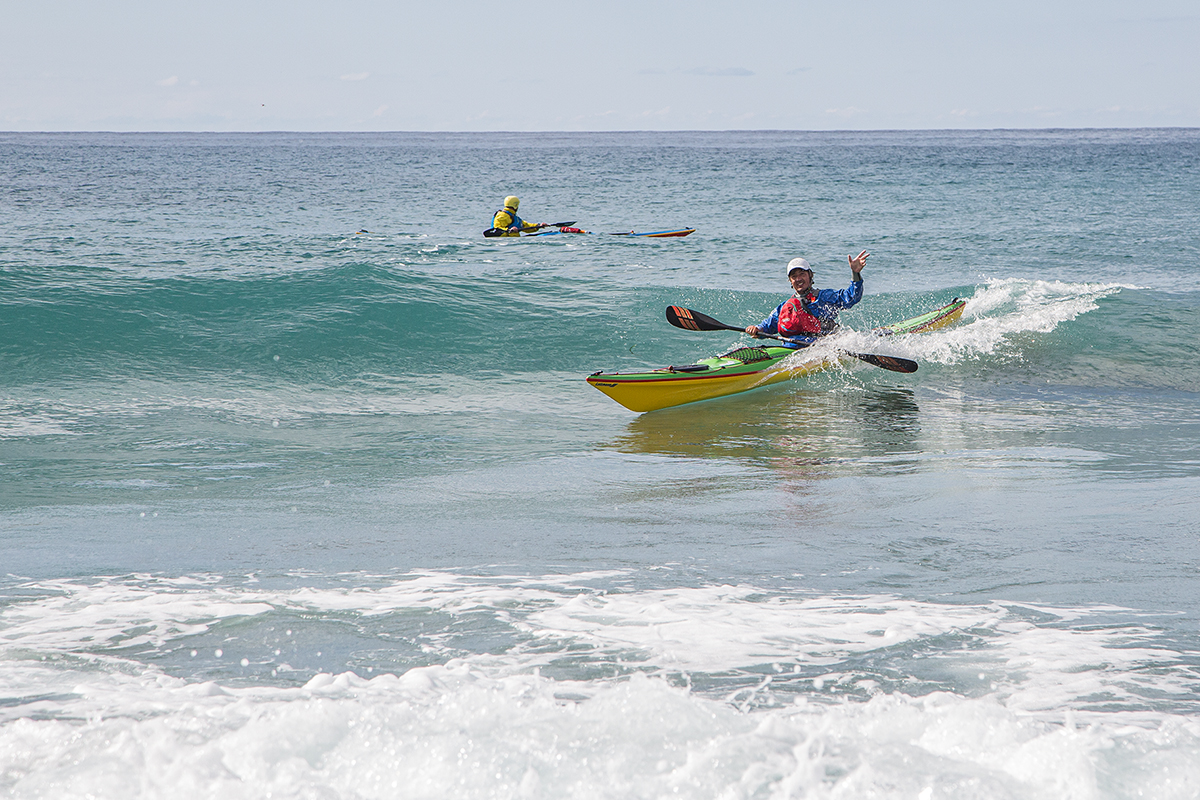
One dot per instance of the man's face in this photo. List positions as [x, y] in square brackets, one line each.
[801, 280]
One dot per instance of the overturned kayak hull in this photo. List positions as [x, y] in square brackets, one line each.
[738, 370]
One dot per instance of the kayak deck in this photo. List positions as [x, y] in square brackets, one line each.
[738, 370]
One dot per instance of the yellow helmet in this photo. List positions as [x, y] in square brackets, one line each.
[512, 202]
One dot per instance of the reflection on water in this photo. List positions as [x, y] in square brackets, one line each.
[890, 420]
[806, 428]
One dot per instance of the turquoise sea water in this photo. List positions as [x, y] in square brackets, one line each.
[289, 509]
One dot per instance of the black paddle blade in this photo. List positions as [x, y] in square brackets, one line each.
[887, 362]
[690, 320]
[561, 224]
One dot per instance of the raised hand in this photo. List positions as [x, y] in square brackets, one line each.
[858, 262]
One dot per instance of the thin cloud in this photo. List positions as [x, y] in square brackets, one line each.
[171, 81]
[707, 72]
[720, 72]
[1183, 19]
[356, 76]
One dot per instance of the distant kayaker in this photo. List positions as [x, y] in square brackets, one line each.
[505, 222]
[809, 313]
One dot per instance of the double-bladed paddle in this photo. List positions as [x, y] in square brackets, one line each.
[552, 225]
[695, 321]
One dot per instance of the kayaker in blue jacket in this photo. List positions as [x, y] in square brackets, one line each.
[809, 314]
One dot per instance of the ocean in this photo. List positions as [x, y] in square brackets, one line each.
[303, 494]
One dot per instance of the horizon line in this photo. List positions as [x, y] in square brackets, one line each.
[631, 130]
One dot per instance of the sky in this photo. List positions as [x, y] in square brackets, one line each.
[560, 65]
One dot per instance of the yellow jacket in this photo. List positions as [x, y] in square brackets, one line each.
[505, 219]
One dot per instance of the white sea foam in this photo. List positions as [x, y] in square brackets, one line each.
[705, 629]
[451, 731]
[19, 423]
[1041, 702]
[998, 311]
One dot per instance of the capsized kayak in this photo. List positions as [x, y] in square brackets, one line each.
[655, 234]
[738, 370]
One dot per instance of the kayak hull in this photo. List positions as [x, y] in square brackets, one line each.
[662, 234]
[649, 234]
[723, 375]
[739, 370]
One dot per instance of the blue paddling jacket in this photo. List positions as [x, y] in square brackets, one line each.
[824, 306]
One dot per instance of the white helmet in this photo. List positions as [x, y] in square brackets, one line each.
[797, 263]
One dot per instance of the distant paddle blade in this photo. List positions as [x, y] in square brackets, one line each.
[893, 363]
[561, 224]
[691, 320]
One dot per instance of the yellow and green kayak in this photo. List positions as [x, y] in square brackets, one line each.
[739, 370]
